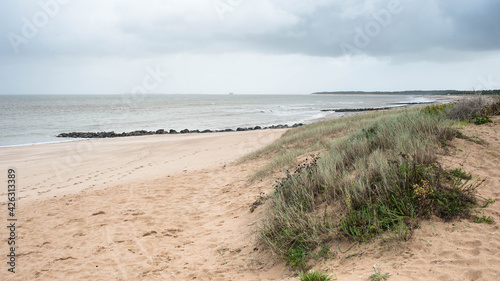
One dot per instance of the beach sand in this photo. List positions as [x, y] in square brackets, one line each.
[176, 207]
[168, 207]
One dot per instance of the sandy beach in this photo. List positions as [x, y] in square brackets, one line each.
[176, 207]
[154, 207]
[57, 169]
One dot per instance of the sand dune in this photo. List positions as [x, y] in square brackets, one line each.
[459, 250]
[177, 208]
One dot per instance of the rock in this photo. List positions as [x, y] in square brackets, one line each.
[141, 133]
[112, 134]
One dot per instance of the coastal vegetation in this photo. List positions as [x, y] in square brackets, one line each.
[369, 175]
[315, 276]
[431, 92]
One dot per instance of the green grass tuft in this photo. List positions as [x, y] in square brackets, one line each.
[315, 276]
[482, 120]
[378, 276]
[483, 219]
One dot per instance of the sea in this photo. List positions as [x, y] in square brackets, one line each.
[37, 119]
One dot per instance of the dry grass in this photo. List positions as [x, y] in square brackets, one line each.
[378, 173]
[283, 153]
[474, 106]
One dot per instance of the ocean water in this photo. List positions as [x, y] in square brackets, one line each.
[39, 119]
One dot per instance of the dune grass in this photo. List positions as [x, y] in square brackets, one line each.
[302, 141]
[315, 276]
[378, 174]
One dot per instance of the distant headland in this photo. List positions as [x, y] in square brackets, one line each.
[414, 92]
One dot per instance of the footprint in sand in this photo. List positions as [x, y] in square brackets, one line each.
[43, 244]
[473, 244]
[149, 233]
[172, 232]
[473, 274]
[65, 258]
[99, 213]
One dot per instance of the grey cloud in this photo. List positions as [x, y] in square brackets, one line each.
[422, 27]
[318, 29]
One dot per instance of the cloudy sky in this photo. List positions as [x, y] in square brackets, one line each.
[247, 46]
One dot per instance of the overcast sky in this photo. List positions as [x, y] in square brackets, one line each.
[247, 46]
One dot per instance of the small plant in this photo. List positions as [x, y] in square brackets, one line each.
[482, 120]
[325, 252]
[436, 109]
[488, 202]
[483, 219]
[378, 276]
[312, 275]
[296, 257]
[259, 200]
[451, 203]
[459, 173]
[352, 255]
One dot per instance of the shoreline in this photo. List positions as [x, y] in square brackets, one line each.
[330, 114]
[61, 168]
[112, 134]
[307, 113]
